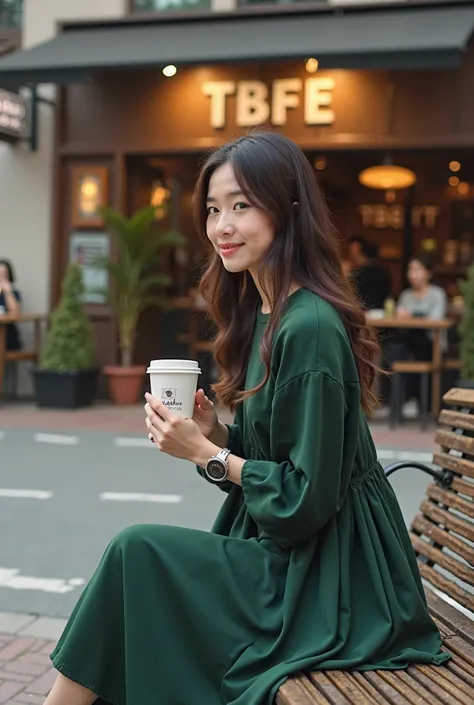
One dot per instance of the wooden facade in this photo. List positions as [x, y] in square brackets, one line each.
[132, 122]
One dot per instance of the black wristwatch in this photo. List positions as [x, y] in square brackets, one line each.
[217, 467]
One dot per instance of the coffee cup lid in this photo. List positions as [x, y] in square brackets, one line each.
[174, 366]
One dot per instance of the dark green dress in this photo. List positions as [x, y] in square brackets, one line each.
[308, 566]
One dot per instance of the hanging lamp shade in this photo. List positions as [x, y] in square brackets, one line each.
[387, 176]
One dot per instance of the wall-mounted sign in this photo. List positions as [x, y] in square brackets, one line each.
[382, 216]
[256, 104]
[12, 116]
[85, 250]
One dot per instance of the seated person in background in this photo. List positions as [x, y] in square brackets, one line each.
[10, 302]
[352, 258]
[371, 279]
[424, 300]
[421, 299]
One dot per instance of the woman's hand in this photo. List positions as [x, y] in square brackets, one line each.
[5, 285]
[403, 313]
[173, 434]
[205, 414]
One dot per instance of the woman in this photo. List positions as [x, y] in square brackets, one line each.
[422, 299]
[10, 302]
[309, 565]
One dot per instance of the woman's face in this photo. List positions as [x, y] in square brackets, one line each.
[241, 234]
[418, 275]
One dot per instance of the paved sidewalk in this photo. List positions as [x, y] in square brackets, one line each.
[129, 421]
[26, 674]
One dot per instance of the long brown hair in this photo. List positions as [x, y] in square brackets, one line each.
[276, 178]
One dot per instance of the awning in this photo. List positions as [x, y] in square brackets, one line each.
[398, 37]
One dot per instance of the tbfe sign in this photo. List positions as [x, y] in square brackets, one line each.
[12, 116]
[257, 103]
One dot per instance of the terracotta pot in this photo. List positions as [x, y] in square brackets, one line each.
[125, 383]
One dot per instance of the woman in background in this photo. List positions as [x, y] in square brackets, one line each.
[424, 300]
[10, 302]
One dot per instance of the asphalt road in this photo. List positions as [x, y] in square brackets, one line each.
[62, 498]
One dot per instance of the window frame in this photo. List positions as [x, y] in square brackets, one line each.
[11, 27]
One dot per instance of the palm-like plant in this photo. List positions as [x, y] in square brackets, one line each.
[135, 270]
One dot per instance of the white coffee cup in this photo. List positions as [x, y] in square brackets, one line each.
[174, 383]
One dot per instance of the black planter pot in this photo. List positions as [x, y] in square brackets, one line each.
[66, 390]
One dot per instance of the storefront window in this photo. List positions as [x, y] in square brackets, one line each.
[169, 5]
[11, 12]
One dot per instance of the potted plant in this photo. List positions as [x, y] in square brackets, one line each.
[136, 284]
[66, 377]
[466, 331]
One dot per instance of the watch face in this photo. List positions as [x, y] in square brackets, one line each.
[216, 470]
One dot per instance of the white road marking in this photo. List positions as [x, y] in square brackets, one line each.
[133, 443]
[405, 455]
[140, 497]
[25, 494]
[56, 439]
[11, 578]
[2, 435]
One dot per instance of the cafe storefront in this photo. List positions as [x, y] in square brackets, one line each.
[354, 90]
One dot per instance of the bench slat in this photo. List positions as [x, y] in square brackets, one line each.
[447, 497]
[463, 487]
[350, 688]
[449, 439]
[461, 673]
[462, 466]
[458, 665]
[389, 693]
[409, 688]
[461, 571]
[457, 683]
[459, 397]
[417, 672]
[448, 519]
[443, 538]
[456, 419]
[414, 685]
[447, 586]
[293, 692]
[450, 616]
[458, 646]
[328, 688]
[366, 685]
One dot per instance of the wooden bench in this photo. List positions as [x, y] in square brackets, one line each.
[442, 535]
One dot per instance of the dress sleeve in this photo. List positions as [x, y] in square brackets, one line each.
[313, 437]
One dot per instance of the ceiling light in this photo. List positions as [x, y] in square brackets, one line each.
[170, 70]
[463, 188]
[387, 176]
[312, 65]
[454, 166]
[320, 163]
[453, 181]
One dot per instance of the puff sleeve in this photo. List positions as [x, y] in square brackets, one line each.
[292, 496]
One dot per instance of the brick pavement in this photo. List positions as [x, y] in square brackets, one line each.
[26, 674]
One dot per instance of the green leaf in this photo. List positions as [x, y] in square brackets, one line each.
[68, 341]
[135, 272]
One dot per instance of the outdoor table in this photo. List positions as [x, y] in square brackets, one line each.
[36, 319]
[437, 326]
